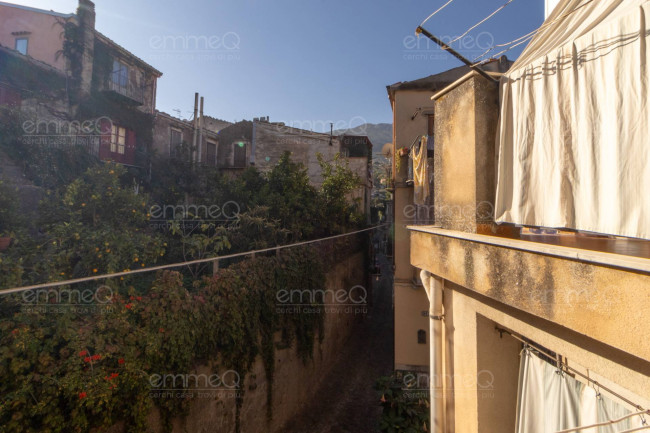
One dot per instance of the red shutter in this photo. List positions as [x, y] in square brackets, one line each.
[129, 151]
[105, 143]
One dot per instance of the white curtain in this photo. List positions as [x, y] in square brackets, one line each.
[549, 401]
[574, 136]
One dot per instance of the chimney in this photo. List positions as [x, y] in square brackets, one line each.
[195, 126]
[86, 15]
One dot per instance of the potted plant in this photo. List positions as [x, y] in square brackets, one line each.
[401, 161]
[5, 241]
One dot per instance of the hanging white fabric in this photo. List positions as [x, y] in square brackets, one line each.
[574, 135]
[420, 170]
[549, 400]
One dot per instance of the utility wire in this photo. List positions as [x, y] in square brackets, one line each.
[439, 9]
[522, 39]
[482, 21]
[176, 265]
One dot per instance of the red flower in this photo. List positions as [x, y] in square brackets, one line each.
[120, 361]
[128, 306]
[139, 298]
[114, 375]
[82, 395]
[87, 359]
[15, 331]
[83, 353]
[131, 297]
[161, 330]
[96, 357]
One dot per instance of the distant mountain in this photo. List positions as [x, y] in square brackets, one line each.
[378, 133]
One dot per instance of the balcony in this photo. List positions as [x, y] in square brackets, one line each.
[125, 92]
[599, 294]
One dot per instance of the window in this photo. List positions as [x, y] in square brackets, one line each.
[430, 133]
[239, 157]
[211, 154]
[430, 124]
[21, 45]
[422, 336]
[120, 75]
[175, 141]
[118, 139]
[222, 156]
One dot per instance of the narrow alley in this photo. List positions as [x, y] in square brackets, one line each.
[347, 401]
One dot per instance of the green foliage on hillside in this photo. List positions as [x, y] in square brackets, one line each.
[92, 365]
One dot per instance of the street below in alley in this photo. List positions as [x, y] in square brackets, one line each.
[346, 400]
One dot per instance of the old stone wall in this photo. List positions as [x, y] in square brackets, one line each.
[295, 382]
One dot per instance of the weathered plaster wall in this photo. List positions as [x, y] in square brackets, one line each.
[604, 307]
[295, 382]
[44, 37]
[213, 124]
[481, 367]
[497, 365]
[271, 141]
[403, 270]
[163, 123]
[162, 135]
[464, 155]
[405, 129]
[410, 302]
[240, 132]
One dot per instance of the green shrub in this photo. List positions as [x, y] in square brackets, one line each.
[405, 408]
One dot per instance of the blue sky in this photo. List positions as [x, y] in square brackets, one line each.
[304, 62]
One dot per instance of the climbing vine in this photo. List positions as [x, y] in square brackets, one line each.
[89, 367]
[99, 366]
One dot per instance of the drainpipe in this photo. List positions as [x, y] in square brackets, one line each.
[200, 156]
[194, 124]
[434, 287]
[155, 92]
[252, 158]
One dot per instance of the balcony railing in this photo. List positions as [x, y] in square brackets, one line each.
[90, 143]
[128, 90]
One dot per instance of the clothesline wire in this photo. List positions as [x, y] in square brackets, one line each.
[438, 10]
[610, 422]
[503, 51]
[636, 429]
[522, 39]
[565, 366]
[482, 21]
[176, 265]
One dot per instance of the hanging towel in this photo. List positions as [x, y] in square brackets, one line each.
[420, 175]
